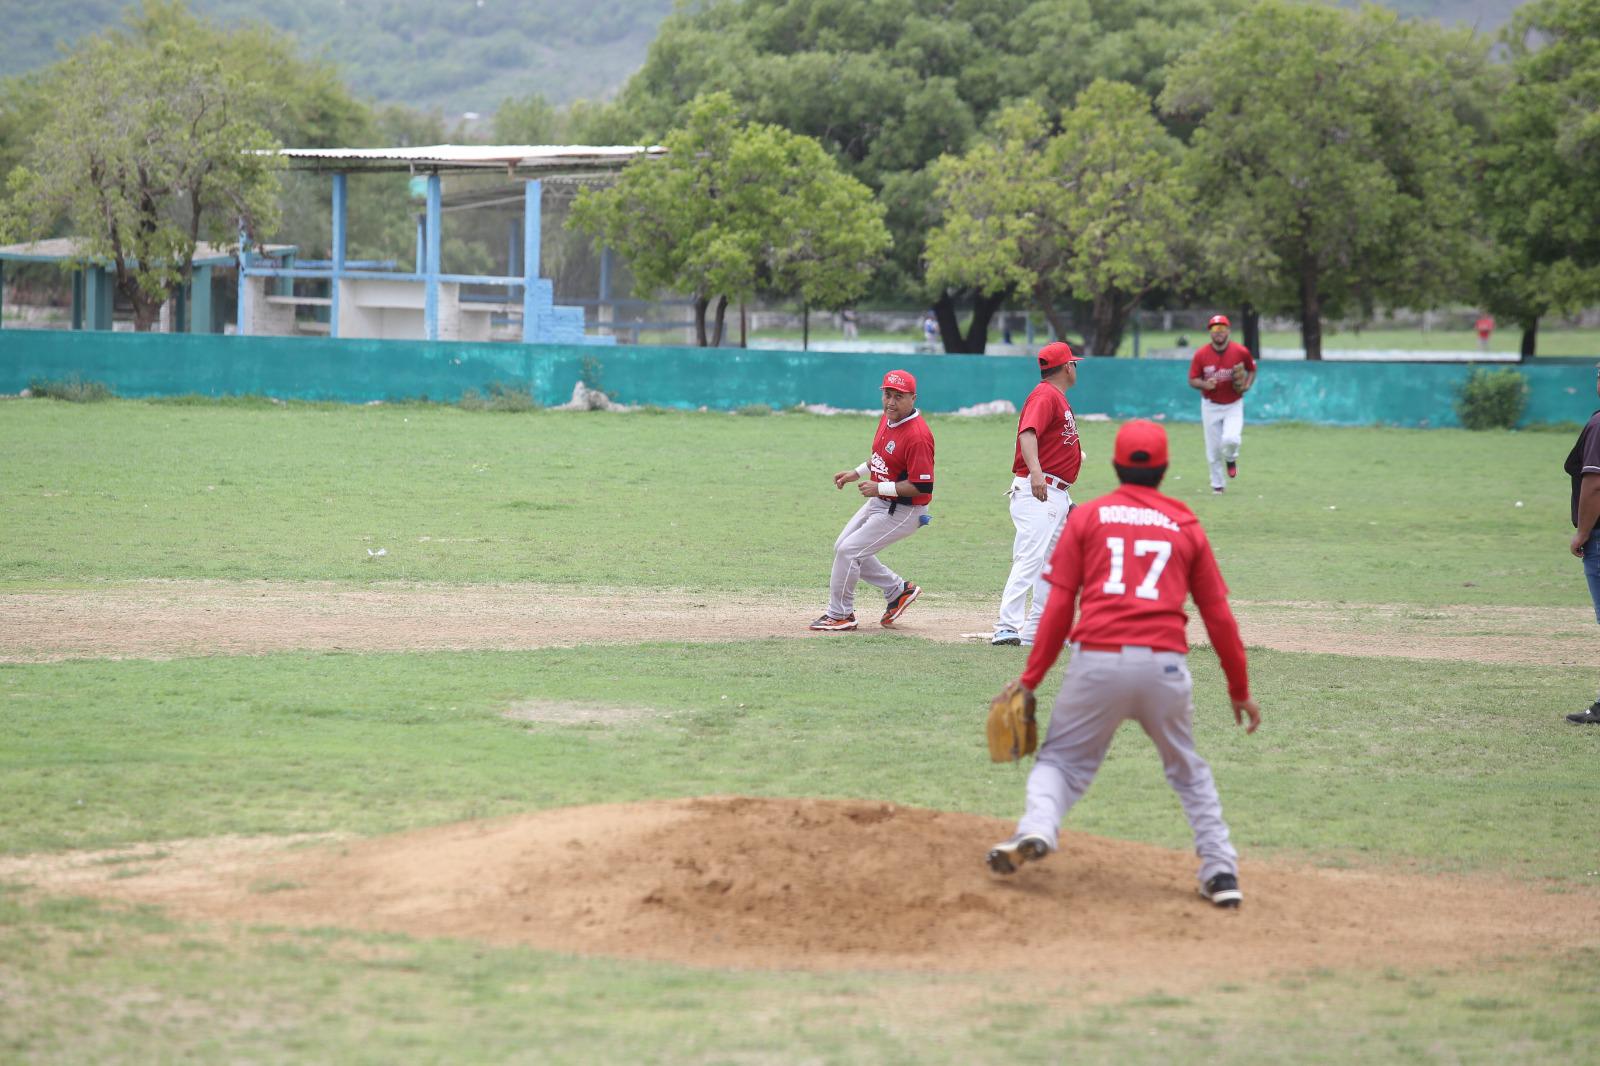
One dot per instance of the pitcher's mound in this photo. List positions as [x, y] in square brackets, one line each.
[823, 884]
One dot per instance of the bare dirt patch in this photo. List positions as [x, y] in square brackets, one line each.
[835, 885]
[167, 619]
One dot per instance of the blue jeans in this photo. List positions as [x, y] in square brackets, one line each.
[1591, 568]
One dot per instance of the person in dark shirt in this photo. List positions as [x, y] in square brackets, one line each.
[1583, 466]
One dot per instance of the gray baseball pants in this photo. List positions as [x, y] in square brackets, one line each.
[871, 530]
[1100, 691]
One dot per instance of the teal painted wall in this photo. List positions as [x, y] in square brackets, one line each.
[358, 371]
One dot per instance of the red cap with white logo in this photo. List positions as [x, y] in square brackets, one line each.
[900, 381]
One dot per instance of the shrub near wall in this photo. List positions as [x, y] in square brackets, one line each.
[1492, 399]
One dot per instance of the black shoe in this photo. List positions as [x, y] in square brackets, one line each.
[1024, 847]
[1589, 717]
[1233, 469]
[1223, 890]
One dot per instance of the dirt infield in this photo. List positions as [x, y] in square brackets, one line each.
[168, 619]
[830, 885]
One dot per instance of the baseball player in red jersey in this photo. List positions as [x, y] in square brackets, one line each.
[1214, 370]
[1128, 560]
[1044, 465]
[898, 487]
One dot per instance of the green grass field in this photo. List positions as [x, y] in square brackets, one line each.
[1446, 768]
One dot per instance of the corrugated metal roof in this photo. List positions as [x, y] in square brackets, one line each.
[560, 158]
[60, 249]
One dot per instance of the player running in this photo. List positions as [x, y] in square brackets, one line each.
[899, 486]
[1223, 371]
[1131, 558]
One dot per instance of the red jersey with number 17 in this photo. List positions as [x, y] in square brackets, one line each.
[1131, 558]
[903, 451]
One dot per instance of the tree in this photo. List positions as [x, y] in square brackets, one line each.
[148, 145]
[889, 87]
[735, 209]
[528, 120]
[1540, 192]
[1333, 146]
[1096, 211]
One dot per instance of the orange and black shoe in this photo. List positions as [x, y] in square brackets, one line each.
[897, 606]
[828, 623]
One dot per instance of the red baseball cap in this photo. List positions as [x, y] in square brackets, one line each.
[900, 381]
[1057, 353]
[1218, 320]
[1140, 443]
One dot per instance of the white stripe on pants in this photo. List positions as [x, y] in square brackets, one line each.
[1224, 426]
[1038, 525]
[868, 532]
[1100, 691]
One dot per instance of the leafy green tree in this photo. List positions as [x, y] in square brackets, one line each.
[148, 147]
[735, 209]
[890, 86]
[1332, 147]
[1096, 211]
[1541, 183]
[528, 120]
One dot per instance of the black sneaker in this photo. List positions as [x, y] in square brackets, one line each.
[1233, 469]
[1222, 890]
[1024, 847]
[1589, 717]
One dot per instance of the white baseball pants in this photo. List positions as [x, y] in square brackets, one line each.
[1038, 528]
[1224, 426]
[855, 557]
[1099, 692]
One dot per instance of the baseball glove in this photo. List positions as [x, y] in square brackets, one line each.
[1240, 371]
[1013, 730]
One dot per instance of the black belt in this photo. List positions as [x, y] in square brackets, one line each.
[897, 501]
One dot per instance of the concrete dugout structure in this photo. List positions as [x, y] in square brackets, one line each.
[427, 303]
[195, 309]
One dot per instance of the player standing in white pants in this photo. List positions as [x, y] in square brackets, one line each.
[1223, 372]
[898, 486]
[1044, 465]
[1131, 558]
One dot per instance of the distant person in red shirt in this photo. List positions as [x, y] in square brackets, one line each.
[1484, 326]
[1223, 372]
[897, 483]
[1127, 561]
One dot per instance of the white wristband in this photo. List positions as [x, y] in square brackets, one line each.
[888, 488]
[861, 471]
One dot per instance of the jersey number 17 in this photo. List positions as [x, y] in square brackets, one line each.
[1146, 590]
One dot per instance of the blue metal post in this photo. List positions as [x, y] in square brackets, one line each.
[334, 286]
[422, 240]
[246, 302]
[430, 273]
[98, 288]
[532, 197]
[200, 302]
